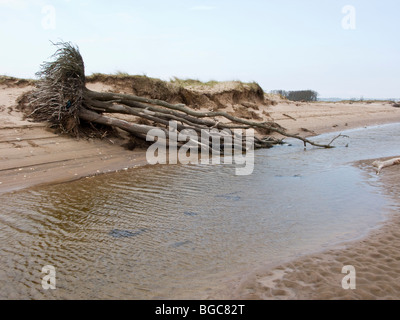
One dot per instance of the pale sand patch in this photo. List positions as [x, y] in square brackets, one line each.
[376, 259]
[322, 117]
[10, 117]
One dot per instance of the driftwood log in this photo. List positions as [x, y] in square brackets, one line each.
[61, 98]
[379, 165]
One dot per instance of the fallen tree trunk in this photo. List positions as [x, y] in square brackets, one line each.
[137, 102]
[379, 165]
[136, 129]
[61, 97]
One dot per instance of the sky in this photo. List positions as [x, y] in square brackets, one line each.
[346, 49]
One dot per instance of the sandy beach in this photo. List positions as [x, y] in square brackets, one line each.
[376, 259]
[34, 155]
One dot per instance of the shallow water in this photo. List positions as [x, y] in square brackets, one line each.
[182, 231]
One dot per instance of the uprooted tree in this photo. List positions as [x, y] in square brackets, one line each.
[62, 98]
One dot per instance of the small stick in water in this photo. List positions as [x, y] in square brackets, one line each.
[379, 165]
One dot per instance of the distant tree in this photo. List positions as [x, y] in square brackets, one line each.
[281, 93]
[302, 95]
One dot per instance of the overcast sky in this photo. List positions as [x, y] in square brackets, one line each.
[347, 49]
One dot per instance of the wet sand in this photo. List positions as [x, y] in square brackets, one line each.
[376, 259]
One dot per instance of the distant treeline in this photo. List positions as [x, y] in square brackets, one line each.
[302, 95]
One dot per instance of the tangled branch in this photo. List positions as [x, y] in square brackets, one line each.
[61, 98]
